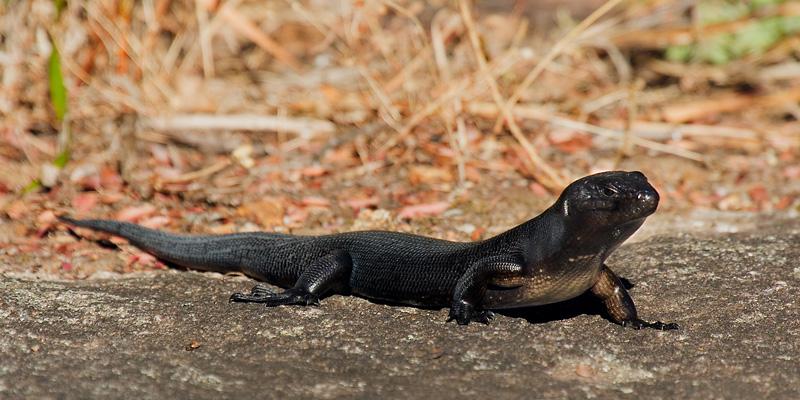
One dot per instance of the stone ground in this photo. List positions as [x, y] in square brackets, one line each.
[732, 283]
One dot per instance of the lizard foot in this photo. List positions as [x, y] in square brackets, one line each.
[263, 294]
[639, 324]
[464, 313]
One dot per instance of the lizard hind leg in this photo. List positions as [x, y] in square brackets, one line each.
[326, 275]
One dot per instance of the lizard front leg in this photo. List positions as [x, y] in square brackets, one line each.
[327, 274]
[619, 304]
[471, 287]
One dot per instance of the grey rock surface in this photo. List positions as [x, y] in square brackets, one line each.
[173, 334]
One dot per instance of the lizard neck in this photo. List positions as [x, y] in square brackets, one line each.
[533, 239]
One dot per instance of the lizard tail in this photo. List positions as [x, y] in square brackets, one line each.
[210, 253]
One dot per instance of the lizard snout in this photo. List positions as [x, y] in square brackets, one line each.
[648, 199]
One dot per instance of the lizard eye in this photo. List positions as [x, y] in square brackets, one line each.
[608, 191]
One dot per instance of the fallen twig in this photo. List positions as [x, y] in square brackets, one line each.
[489, 110]
[688, 111]
[555, 51]
[248, 29]
[201, 173]
[240, 122]
[544, 173]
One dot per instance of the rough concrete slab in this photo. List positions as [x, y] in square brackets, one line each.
[173, 334]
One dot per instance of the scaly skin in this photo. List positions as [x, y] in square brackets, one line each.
[553, 257]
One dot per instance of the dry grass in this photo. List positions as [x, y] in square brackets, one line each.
[386, 74]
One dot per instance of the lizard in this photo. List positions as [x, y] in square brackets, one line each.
[555, 256]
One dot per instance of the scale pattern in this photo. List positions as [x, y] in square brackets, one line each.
[553, 257]
[390, 266]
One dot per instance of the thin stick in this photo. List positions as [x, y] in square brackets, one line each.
[206, 35]
[250, 30]
[544, 173]
[380, 95]
[499, 66]
[440, 31]
[633, 114]
[240, 122]
[201, 173]
[555, 51]
[536, 113]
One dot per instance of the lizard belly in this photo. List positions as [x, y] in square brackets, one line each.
[545, 287]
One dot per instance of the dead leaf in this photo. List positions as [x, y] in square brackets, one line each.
[758, 194]
[143, 259]
[267, 212]
[313, 171]
[477, 234]
[155, 222]
[418, 174]
[110, 179]
[363, 202]
[426, 209]
[792, 172]
[316, 201]
[111, 197]
[86, 176]
[296, 215]
[45, 221]
[17, 209]
[343, 155]
[538, 189]
[136, 213]
[84, 202]
[784, 203]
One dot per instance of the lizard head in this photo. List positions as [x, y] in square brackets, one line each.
[609, 200]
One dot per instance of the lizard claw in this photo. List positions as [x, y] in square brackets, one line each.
[464, 313]
[264, 295]
[258, 292]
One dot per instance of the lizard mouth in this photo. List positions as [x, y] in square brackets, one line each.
[631, 207]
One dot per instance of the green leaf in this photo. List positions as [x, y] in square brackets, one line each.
[715, 49]
[717, 11]
[60, 5]
[62, 159]
[58, 92]
[682, 53]
[791, 24]
[756, 4]
[756, 38]
[32, 187]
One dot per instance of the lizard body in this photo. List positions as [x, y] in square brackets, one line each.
[553, 257]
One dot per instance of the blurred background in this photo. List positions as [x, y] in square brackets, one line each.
[318, 116]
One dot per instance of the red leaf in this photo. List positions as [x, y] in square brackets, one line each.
[313, 171]
[316, 201]
[136, 213]
[83, 202]
[538, 189]
[363, 202]
[758, 194]
[110, 179]
[420, 210]
[154, 222]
